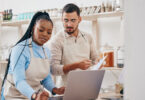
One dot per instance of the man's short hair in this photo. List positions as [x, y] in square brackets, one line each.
[69, 8]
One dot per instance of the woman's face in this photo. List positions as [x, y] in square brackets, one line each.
[42, 31]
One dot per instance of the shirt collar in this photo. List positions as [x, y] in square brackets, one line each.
[36, 45]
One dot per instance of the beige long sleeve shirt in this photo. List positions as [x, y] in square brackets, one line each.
[67, 49]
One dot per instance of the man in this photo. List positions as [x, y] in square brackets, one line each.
[71, 48]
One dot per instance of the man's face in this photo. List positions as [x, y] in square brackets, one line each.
[71, 22]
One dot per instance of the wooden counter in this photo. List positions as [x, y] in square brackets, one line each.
[109, 95]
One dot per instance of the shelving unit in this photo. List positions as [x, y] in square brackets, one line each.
[86, 17]
[93, 18]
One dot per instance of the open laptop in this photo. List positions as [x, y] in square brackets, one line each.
[82, 85]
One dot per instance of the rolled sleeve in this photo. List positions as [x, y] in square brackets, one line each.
[48, 83]
[93, 52]
[56, 56]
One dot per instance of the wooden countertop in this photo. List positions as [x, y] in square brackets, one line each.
[109, 95]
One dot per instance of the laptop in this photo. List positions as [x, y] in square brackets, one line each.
[82, 85]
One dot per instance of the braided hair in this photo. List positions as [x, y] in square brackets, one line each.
[28, 34]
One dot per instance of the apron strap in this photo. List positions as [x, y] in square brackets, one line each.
[30, 46]
[46, 57]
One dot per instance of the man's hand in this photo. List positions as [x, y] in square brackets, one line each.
[85, 64]
[59, 90]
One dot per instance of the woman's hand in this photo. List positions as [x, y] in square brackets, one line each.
[59, 90]
[43, 95]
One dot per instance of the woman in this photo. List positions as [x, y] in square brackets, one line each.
[28, 68]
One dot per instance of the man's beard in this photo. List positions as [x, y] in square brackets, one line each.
[71, 31]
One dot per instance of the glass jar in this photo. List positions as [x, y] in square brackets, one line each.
[120, 57]
[109, 52]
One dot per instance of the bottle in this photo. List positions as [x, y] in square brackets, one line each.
[121, 4]
[113, 5]
[109, 6]
[117, 6]
[92, 8]
[4, 15]
[102, 7]
[10, 14]
[120, 57]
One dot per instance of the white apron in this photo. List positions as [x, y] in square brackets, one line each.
[38, 70]
[74, 52]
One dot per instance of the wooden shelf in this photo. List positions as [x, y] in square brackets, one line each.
[86, 17]
[15, 23]
[111, 68]
[103, 15]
